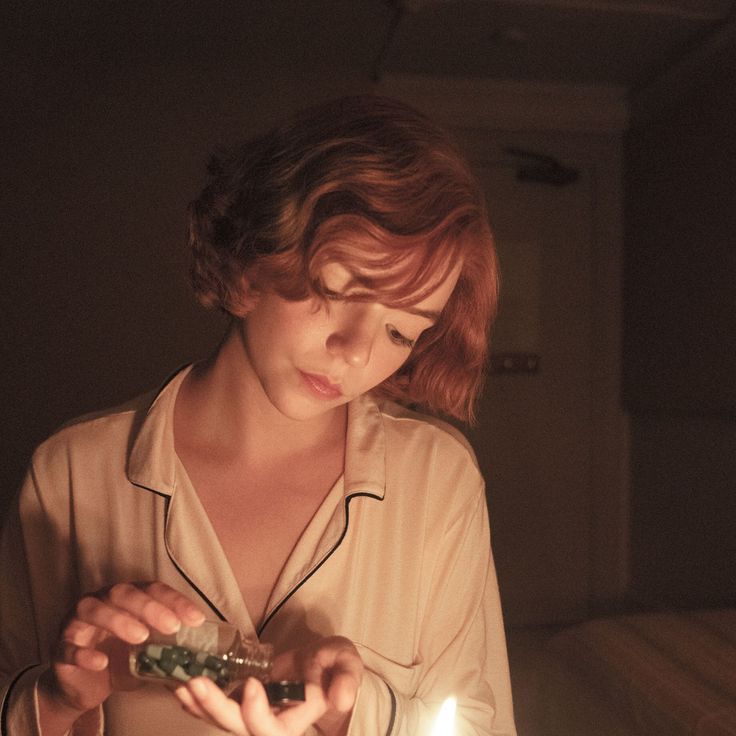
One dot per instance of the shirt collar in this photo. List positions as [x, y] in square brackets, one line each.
[152, 462]
[365, 452]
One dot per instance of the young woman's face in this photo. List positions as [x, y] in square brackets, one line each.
[310, 357]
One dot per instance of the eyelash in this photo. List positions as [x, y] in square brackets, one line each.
[394, 335]
[398, 338]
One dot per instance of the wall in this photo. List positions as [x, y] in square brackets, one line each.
[680, 344]
[581, 125]
[104, 153]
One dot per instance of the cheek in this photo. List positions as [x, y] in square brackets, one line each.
[296, 322]
[386, 363]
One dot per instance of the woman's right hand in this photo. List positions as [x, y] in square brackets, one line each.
[79, 677]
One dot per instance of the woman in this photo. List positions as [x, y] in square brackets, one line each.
[282, 485]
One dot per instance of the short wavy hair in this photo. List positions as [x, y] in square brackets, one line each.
[373, 184]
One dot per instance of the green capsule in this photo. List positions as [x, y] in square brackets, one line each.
[144, 663]
[211, 674]
[214, 663]
[195, 669]
[154, 651]
[181, 654]
[180, 673]
[155, 671]
[167, 664]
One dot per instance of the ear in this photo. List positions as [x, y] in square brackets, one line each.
[243, 297]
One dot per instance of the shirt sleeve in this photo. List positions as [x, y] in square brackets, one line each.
[462, 648]
[36, 578]
[20, 660]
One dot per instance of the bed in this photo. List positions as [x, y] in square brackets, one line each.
[650, 674]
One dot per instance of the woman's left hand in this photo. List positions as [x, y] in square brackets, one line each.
[332, 671]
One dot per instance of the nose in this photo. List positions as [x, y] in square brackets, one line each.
[353, 337]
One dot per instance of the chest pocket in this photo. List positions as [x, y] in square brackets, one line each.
[403, 678]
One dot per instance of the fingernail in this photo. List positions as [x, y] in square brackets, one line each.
[196, 616]
[138, 633]
[250, 690]
[170, 622]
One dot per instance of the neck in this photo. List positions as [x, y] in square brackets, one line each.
[223, 410]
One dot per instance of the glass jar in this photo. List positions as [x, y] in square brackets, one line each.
[214, 650]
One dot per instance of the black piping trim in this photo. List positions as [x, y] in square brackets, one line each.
[4, 712]
[391, 720]
[322, 561]
[167, 501]
[181, 572]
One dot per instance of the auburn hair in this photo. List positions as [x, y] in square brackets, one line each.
[373, 184]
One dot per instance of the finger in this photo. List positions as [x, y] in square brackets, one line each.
[333, 652]
[256, 712]
[143, 606]
[346, 675]
[188, 702]
[82, 633]
[182, 606]
[342, 691]
[216, 707]
[337, 667]
[297, 719]
[84, 657]
[286, 666]
[260, 719]
[337, 659]
[104, 617]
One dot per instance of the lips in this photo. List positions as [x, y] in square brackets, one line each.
[321, 386]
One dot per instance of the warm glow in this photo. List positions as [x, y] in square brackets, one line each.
[445, 723]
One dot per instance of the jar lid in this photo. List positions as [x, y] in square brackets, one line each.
[285, 692]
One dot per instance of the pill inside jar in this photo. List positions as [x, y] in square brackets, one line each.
[217, 651]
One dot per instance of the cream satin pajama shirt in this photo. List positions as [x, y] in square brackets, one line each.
[397, 559]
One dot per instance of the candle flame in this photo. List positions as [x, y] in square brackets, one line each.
[444, 724]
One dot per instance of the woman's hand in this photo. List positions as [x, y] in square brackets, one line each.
[79, 678]
[332, 671]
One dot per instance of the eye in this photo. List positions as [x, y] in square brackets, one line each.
[331, 295]
[398, 338]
